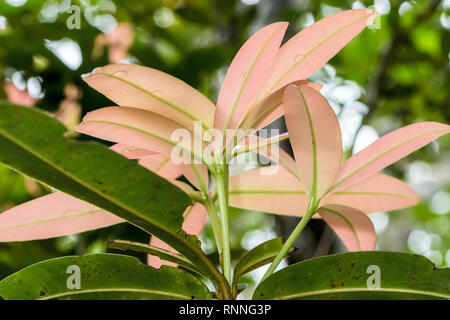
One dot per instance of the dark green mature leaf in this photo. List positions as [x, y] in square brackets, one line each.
[33, 143]
[102, 276]
[354, 276]
[145, 248]
[257, 257]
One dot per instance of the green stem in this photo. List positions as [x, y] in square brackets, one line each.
[312, 208]
[222, 191]
[215, 223]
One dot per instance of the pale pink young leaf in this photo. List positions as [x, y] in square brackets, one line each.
[54, 215]
[271, 108]
[185, 187]
[315, 137]
[197, 174]
[387, 150]
[269, 150]
[375, 193]
[312, 47]
[152, 90]
[161, 165]
[352, 226]
[131, 152]
[155, 261]
[278, 193]
[194, 220]
[246, 72]
[139, 128]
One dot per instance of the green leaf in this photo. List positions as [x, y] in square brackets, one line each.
[33, 143]
[102, 276]
[354, 276]
[145, 248]
[257, 257]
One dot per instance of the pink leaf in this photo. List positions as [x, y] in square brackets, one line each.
[279, 193]
[161, 165]
[185, 187]
[312, 47]
[152, 90]
[353, 227]
[378, 192]
[131, 152]
[387, 150]
[194, 220]
[135, 127]
[54, 215]
[197, 174]
[315, 137]
[271, 108]
[269, 149]
[155, 261]
[246, 73]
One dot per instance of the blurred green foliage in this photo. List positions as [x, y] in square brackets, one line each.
[387, 77]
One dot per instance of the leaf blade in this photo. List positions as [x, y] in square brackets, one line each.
[154, 251]
[257, 257]
[312, 47]
[194, 220]
[154, 91]
[376, 193]
[387, 150]
[54, 215]
[271, 108]
[101, 275]
[246, 73]
[136, 127]
[315, 136]
[131, 152]
[250, 189]
[345, 276]
[32, 142]
[352, 226]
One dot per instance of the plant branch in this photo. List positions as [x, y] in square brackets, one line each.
[312, 208]
[222, 189]
[215, 223]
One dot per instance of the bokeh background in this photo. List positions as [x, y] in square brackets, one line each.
[387, 77]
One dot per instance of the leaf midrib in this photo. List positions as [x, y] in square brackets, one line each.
[103, 290]
[312, 50]
[247, 75]
[80, 182]
[68, 216]
[313, 191]
[361, 193]
[348, 176]
[340, 215]
[117, 203]
[256, 191]
[147, 133]
[155, 251]
[170, 104]
[356, 289]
